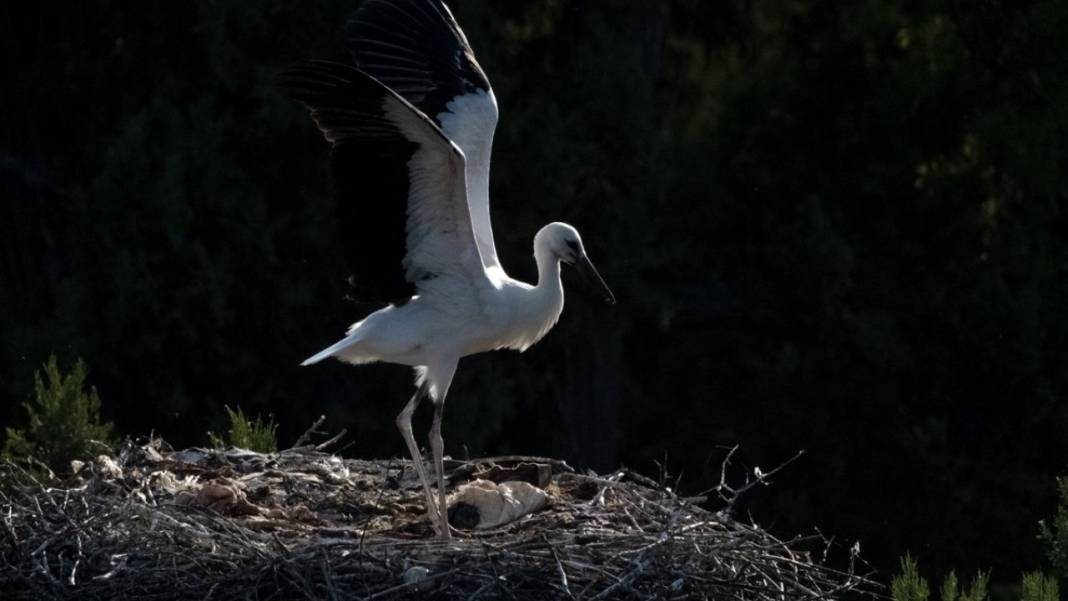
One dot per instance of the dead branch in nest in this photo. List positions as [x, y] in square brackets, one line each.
[152, 523]
[730, 495]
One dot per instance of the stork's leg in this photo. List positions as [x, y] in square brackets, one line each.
[404, 423]
[437, 447]
[439, 376]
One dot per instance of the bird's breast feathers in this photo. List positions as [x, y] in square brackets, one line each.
[527, 314]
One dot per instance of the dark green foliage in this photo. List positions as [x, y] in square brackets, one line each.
[908, 585]
[1055, 532]
[1037, 586]
[63, 420]
[255, 435]
[950, 587]
[978, 591]
[831, 226]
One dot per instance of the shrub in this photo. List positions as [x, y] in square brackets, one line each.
[1055, 533]
[1039, 587]
[951, 590]
[909, 585]
[976, 592]
[64, 420]
[254, 435]
[950, 587]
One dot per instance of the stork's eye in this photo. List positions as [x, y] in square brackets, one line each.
[571, 244]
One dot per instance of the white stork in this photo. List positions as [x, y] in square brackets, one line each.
[412, 128]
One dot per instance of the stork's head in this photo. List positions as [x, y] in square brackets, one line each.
[563, 243]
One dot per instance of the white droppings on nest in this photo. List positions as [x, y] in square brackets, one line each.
[107, 466]
[166, 481]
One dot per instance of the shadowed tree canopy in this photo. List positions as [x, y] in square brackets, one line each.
[838, 227]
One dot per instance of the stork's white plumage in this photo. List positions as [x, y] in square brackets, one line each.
[412, 130]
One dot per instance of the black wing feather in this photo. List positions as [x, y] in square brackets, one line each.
[417, 49]
[371, 177]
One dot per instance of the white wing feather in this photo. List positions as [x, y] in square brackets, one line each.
[470, 122]
[441, 242]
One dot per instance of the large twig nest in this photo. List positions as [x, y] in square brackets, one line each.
[302, 524]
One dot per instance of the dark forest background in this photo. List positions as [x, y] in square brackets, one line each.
[832, 226]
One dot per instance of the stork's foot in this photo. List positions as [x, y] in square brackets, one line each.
[440, 522]
[441, 530]
[443, 516]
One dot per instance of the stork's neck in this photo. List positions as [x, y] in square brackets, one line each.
[536, 308]
[547, 297]
[548, 271]
[539, 307]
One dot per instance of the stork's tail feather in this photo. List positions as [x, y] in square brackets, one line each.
[330, 351]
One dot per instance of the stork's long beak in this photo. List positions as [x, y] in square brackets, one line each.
[589, 273]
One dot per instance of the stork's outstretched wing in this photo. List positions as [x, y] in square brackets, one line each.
[400, 180]
[417, 49]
